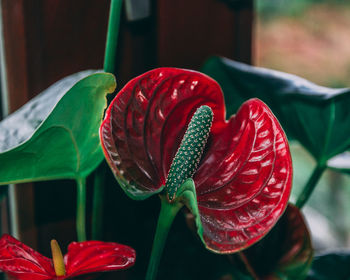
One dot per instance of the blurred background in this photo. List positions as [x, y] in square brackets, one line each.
[309, 38]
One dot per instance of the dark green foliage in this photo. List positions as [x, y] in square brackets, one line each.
[335, 266]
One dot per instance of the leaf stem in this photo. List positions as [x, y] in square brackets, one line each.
[81, 208]
[167, 214]
[247, 264]
[97, 207]
[112, 35]
[310, 185]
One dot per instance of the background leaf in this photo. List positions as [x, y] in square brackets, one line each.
[317, 116]
[333, 266]
[60, 140]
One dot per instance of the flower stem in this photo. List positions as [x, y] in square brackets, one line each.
[310, 185]
[248, 266]
[167, 214]
[81, 206]
[97, 207]
[112, 35]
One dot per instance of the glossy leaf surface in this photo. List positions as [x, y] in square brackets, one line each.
[333, 266]
[243, 180]
[20, 125]
[318, 117]
[56, 134]
[23, 263]
[286, 251]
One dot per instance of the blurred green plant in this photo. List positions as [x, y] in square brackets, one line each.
[333, 266]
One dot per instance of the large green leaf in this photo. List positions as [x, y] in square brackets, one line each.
[333, 266]
[20, 125]
[318, 117]
[56, 135]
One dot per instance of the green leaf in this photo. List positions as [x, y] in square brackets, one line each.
[318, 117]
[20, 125]
[58, 140]
[286, 251]
[333, 266]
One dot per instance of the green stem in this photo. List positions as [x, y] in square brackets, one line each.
[81, 207]
[112, 35]
[97, 207]
[310, 185]
[167, 214]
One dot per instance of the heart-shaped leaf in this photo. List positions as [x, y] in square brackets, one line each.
[333, 266]
[243, 180]
[318, 117]
[286, 251]
[55, 135]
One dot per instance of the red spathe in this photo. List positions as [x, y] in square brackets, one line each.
[23, 263]
[244, 178]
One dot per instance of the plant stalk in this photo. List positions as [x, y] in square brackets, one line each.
[310, 185]
[248, 266]
[81, 208]
[112, 36]
[97, 207]
[167, 214]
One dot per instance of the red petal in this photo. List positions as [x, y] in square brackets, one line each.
[22, 262]
[97, 256]
[248, 188]
[146, 121]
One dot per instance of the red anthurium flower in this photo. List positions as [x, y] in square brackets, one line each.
[23, 263]
[243, 180]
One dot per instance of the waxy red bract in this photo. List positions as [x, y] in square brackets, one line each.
[244, 178]
[23, 263]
